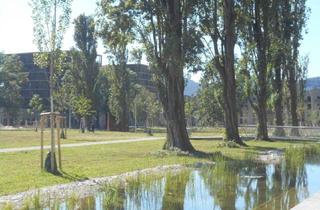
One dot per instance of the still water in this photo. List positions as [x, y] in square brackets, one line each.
[228, 185]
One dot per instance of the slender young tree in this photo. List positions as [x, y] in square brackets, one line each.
[50, 20]
[221, 31]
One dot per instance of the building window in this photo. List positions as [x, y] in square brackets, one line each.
[309, 106]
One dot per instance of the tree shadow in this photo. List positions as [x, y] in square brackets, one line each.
[71, 176]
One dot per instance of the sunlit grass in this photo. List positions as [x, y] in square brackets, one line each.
[21, 171]
[12, 139]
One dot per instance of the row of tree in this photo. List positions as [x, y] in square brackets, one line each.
[178, 35]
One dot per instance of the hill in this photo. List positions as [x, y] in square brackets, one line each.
[313, 83]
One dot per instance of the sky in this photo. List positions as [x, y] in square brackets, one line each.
[16, 33]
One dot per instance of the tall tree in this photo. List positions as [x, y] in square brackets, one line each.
[221, 31]
[168, 33]
[295, 17]
[277, 63]
[50, 19]
[88, 68]
[12, 78]
[116, 24]
[255, 36]
[210, 111]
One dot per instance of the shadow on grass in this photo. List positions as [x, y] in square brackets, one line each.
[72, 177]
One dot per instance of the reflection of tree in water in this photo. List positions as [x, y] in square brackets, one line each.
[295, 175]
[275, 188]
[222, 181]
[88, 203]
[175, 188]
[114, 197]
[287, 182]
[145, 192]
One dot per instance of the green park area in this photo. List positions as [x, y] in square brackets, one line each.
[221, 89]
[20, 171]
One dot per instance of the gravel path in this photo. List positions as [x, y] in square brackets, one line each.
[24, 149]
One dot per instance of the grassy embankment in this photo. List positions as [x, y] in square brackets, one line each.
[20, 171]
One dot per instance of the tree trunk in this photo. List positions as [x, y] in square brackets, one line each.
[228, 75]
[261, 38]
[177, 135]
[293, 106]
[278, 101]
[173, 98]
[262, 129]
[261, 108]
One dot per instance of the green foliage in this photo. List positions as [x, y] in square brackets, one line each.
[49, 28]
[115, 27]
[85, 68]
[12, 78]
[147, 107]
[82, 106]
[209, 99]
[36, 104]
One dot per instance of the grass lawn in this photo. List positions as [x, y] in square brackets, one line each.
[12, 139]
[21, 171]
[26, 138]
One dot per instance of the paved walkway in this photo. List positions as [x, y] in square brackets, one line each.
[25, 149]
[312, 203]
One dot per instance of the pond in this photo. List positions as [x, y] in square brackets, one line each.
[227, 185]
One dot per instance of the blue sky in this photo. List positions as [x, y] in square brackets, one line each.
[16, 30]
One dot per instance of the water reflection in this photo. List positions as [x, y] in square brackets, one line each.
[228, 185]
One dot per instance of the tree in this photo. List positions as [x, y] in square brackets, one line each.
[221, 31]
[295, 17]
[255, 39]
[145, 106]
[82, 106]
[87, 68]
[12, 78]
[210, 111]
[278, 63]
[116, 29]
[167, 30]
[37, 107]
[51, 19]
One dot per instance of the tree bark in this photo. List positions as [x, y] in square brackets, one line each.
[177, 135]
[173, 98]
[262, 129]
[228, 75]
[261, 38]
[293, 104]
[278, 107]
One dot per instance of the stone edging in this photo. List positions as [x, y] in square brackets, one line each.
[82, 188]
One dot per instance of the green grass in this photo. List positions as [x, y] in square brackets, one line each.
[21, 171]
[12, 139]
[27, 138]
